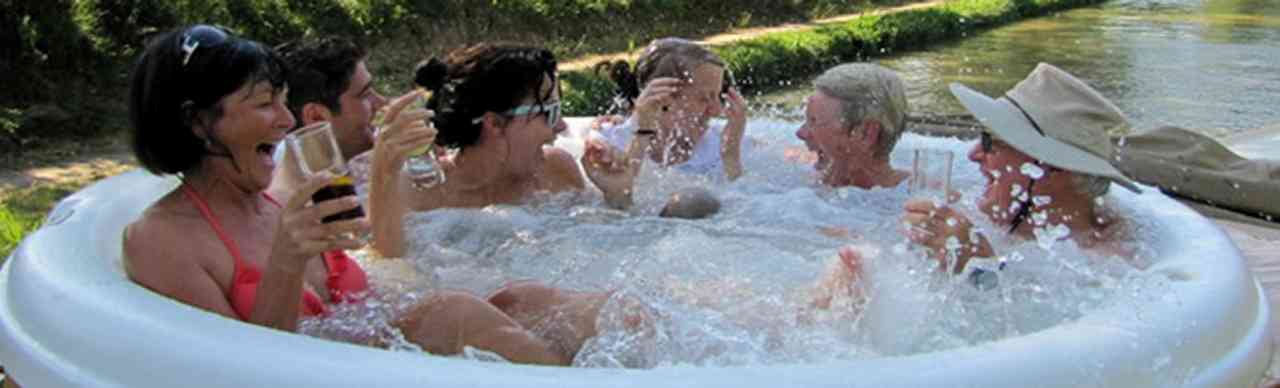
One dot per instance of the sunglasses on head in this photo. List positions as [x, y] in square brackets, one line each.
[551, 109]
[201, 36]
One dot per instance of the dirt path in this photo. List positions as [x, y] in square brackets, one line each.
[68, 164]
[748, 33]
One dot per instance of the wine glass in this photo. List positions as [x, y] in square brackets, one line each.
[316, 151]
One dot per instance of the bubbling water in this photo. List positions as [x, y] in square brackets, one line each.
[737, 288]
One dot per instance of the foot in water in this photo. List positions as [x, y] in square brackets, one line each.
[564, 317]
[842, 283]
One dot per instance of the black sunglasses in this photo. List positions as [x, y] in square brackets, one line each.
[202, 35]
[985, 141]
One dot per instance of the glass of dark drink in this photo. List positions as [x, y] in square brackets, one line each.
[316, 151]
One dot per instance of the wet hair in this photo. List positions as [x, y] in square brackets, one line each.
[320, 70]
[869, 91]
[666, 57]
[174, 86]
[474, 80]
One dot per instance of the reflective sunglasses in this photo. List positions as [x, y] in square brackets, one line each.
[552, 110]
[201, 36]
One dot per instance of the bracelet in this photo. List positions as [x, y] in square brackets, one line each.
[985, 278]
[646, 132]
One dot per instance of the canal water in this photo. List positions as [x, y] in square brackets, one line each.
[1209, 65]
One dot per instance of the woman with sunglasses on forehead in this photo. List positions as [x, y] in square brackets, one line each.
[1046, 154]
[208, 107]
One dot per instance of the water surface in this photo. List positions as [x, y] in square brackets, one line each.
[1210, 65]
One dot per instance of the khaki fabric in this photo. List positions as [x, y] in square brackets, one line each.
[1198, 167]
[1055, 118]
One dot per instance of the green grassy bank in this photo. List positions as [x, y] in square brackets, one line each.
[763, 63]
[22, 211]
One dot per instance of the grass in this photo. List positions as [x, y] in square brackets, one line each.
[22, 211]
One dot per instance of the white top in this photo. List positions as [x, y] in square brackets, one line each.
[705, 159]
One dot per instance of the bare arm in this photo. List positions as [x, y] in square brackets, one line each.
[390, 189]
[300, 238]
[731, 138]
[165, 264]
[388, 205]
[614, 171]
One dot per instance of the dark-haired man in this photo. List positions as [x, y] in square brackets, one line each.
[329, 81]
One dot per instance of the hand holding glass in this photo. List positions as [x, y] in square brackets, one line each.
[931, 174]
[316, 151]
[421, 168]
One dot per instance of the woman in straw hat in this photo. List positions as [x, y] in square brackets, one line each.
[1047, 158]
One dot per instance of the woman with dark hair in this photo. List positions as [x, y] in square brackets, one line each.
[498, 106]
[669, 98]
[209, 107]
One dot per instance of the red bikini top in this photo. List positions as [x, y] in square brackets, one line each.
[346, 281]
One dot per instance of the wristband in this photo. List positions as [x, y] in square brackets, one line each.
[646, 132]
[983, 273]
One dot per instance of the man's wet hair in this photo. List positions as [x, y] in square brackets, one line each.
[320, 70]
[869, 91]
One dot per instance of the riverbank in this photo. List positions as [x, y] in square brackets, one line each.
[771, 60]
[761, 58]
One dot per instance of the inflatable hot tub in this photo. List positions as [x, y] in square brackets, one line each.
[70, 317]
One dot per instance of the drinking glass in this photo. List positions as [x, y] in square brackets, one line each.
[421, 167]
[931, 174]
[316, 151]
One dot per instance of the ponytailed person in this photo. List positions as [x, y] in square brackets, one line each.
[669, 98]
[496, 110]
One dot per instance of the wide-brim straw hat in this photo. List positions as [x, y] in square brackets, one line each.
[1055, 118]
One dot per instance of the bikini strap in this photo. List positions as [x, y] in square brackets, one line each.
[213, 223]
[272, 199]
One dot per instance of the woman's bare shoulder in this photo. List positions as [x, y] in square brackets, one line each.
[164, 239]
[562, 171]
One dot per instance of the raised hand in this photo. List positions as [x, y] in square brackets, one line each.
[612, 170]
[658, 94]
[731, 138]
[943, 230]
[736, 113]
[301, 236]
[406, 128]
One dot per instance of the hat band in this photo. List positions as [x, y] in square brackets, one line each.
[1025, 114]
